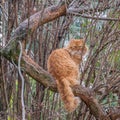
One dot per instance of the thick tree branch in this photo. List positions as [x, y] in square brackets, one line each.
[40, 18]
[38, 73]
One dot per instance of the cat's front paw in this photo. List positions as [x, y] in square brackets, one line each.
[77, 82]
[76, 101]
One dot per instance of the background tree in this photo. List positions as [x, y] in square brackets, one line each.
[42, 26]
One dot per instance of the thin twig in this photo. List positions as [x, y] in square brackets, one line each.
[22, 78]
[96, 18]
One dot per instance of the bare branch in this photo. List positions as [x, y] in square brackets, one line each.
[96, 18]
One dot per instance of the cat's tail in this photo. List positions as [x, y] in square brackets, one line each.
[70, 101]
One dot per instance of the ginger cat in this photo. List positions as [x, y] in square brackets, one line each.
[63, 65]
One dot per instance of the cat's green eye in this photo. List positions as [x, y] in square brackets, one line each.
[76, 47]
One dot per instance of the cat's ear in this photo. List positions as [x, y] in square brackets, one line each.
[71, 44]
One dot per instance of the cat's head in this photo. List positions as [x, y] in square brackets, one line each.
[77, 47]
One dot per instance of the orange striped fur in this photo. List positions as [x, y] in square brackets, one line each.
[63, 65]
